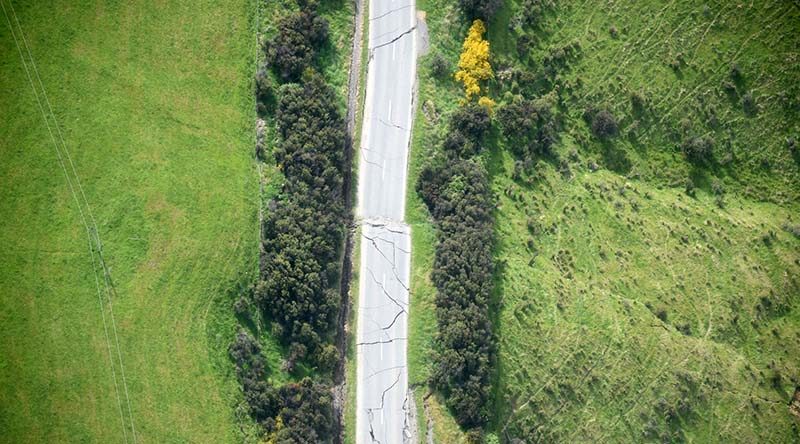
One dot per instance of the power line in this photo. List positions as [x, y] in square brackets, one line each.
[92, 233]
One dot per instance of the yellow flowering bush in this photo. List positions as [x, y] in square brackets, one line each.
[473, 65]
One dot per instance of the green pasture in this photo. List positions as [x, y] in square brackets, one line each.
[627, 310]
[154, 103]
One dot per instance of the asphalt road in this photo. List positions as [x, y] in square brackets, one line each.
[383, 410]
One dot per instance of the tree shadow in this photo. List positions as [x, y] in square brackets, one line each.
[615, 158]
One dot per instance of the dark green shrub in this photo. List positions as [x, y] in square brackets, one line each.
[638, 101]
[299, 36]
[531, 12]
[440, 66]
[306, 412]
[471, 120]
[529, 124]
[265, 93]
[480, 9]
[699, 150]
[604, 125]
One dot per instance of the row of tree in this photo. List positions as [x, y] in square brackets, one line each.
[457, 193]
[304, 230]
[302, 236]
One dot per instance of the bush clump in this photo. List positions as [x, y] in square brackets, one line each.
[604, 125]
[699, 150]
[468, 127]
[292, 413]
[529, 124]
[531, 12]
[440, 67]
[480, 9]
[300, 35]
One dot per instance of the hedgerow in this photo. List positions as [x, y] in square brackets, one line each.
[302, 236]
[304, 231]
[458, 196]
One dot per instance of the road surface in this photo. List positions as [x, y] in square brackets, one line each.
[383, 411]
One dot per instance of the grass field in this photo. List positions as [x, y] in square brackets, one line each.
[155, 106]
[627, 310]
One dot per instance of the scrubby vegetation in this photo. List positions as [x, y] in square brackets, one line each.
[303, 234]
[300, 34]
[480, 9]
[292, 413]
[646, 182]
[457, 194]
[298, 290]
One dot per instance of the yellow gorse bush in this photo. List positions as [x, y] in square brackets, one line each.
[473, 65]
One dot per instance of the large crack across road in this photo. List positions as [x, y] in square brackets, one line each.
[388, 341]
[384, 224]
[370, 411]
[396, 302]
[405, 33]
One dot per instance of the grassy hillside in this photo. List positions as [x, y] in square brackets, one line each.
[627, 309]
[155, 106]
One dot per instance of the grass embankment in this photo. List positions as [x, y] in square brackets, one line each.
[628, 310]
[155, 105]
[351, 362]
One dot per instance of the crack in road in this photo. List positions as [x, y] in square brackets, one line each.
[390, 12]
[405, 33]
[397, 367]
[383, 395]
[390, 241]
[386, 292]
[372, 163]
[406, 416]
[375, 244]
[392, 124]
[370, 418]
[370, 411]
[385, 224]
[393, 320]
[388, 341]
[392, 261]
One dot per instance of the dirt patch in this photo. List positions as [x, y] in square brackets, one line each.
[794, 406]
[423, 41]
[428, 418]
